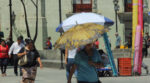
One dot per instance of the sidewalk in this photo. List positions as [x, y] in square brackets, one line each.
[48, 75]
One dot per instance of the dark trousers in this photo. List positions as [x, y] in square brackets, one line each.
[3, 65]
[144, 52]
[15, 57]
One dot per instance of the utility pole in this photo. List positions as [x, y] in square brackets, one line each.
[60, 16]
[116, 21]
[116, 8]
[60, 20]
[10, 33]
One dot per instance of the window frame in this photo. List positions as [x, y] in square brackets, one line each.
[82, 7]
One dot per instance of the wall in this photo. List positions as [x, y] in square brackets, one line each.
[106, 8]
[19, 22]
[49, 22]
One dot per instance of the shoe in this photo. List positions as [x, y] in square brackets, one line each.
[2, 75]
[5, 74]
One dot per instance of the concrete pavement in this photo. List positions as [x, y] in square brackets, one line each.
[49, 75]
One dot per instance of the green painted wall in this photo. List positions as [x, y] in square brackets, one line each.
[51, 18]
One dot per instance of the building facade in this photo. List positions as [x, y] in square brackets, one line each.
[125, 17]
[49, 17]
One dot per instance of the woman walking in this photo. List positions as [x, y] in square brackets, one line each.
[3, 57]
[69, 60]
[30, 68]
[86, 62]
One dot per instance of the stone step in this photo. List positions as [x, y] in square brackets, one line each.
[121, 50]
[55, 54]
[50, 54]
[57, 63]
[52, 63]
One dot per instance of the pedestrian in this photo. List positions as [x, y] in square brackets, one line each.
[69, 60]
[30, 68]
[118, 40]
[104, 56]
[145, 48]
[23, 42]
[13, 51]
[26, 40]
[48, 43]
[3, 57]
[86, 62]
[106, 63]
[129, 41]
[147, 37]
[146, 45]
[9, 42]
[109, 41]
[144, 53]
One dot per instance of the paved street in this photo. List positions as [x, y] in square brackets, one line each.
[48, 75]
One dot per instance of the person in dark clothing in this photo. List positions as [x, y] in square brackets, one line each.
[9, 42]
[144, 49]
[144, 53]
[146, 44]
[30, 68]
[147, 38]
[130, 40]
[48, 43]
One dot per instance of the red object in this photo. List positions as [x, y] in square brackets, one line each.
[128, 8]
[140, 22]
[128, 5]
[48, 43]
[4, 51]
[97, 44]
[124, 66]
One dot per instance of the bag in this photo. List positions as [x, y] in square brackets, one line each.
[23, 60]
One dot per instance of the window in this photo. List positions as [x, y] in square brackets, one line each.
[86, 1]
[82, 6]
[128, 5]
[76, 1]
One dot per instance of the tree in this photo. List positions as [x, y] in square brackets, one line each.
[36, 27]
[10, 9]
[26, 20]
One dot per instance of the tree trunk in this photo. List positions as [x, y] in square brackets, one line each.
[26, 20]
[36, 28]
[10, 33]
